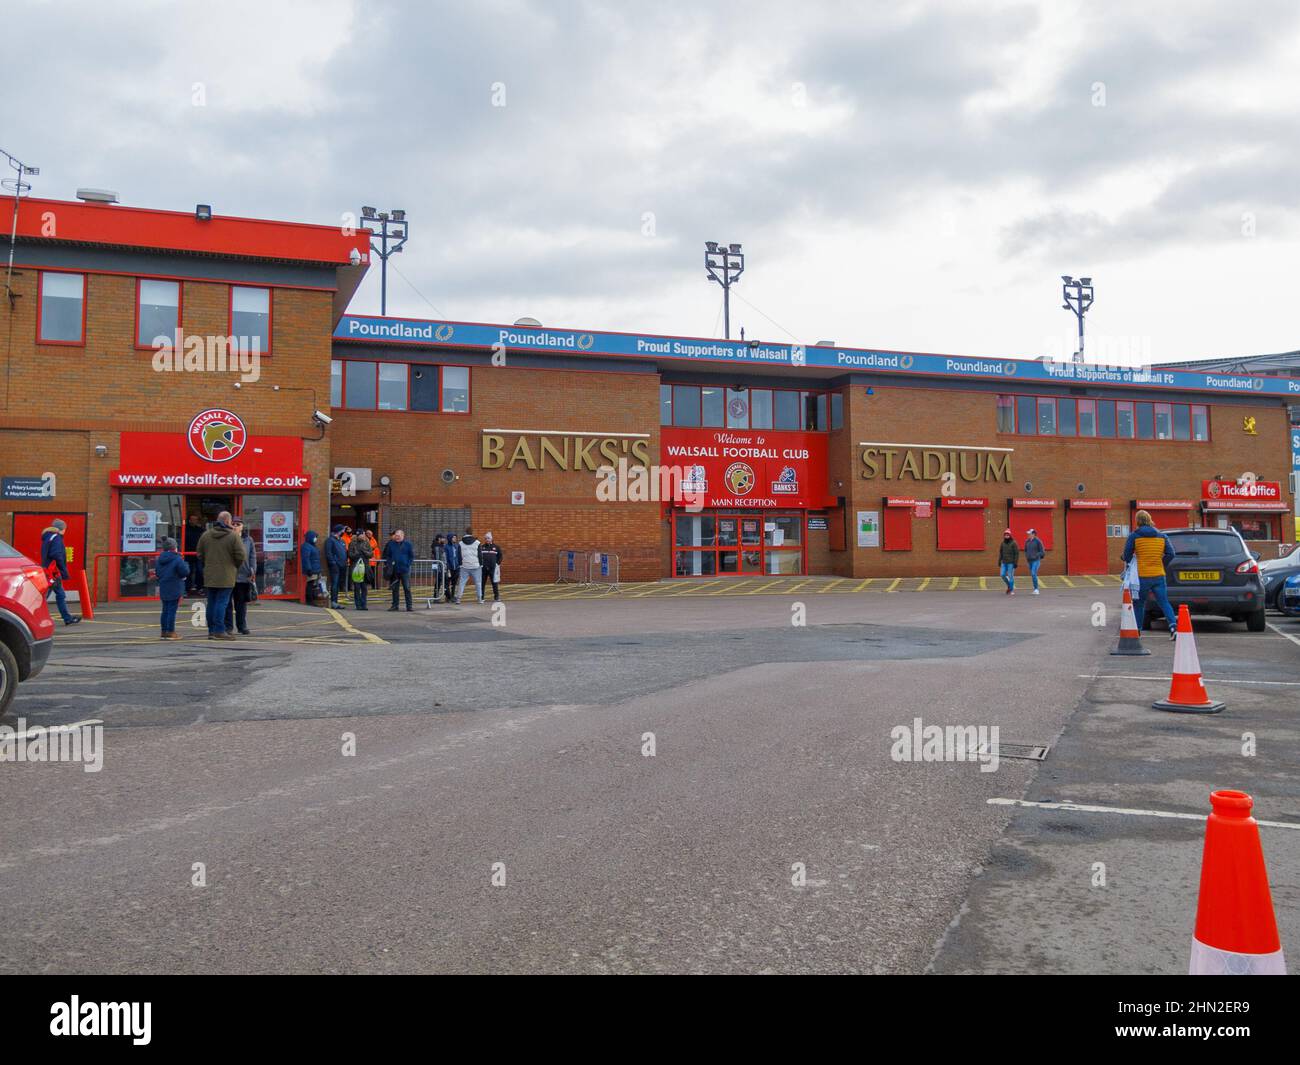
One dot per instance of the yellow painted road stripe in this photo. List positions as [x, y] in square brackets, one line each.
[984, 584]
[861, 586]
[731, 587]
[347, 626]
[1096, 582]
[896, 582]
[953, 587]
[827, 588]
[1068, 581]
[924, 584]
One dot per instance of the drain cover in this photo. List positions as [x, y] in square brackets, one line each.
[1033, 752]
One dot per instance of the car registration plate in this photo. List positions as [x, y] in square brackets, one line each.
[1200, 575]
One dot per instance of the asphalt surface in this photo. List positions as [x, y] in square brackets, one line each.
[515, 750]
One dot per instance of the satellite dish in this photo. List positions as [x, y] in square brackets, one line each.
[533, 322]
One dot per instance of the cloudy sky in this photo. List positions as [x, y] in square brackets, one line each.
[912, 176]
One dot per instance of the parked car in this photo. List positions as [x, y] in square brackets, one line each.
[1289, 600]
[1275, 572]
[1213, 572]
[26, 630]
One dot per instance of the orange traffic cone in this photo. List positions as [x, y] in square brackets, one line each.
[1187, 694]
[1236, 931]
[1130, 640]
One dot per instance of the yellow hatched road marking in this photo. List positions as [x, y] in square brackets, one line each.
[1096, 582]
[861, 586]
[836, 581]
[924, 584]
[347, 626]
[731, 587]
[896, 582]
[797, 587]
[953, 585]
[1068, 581]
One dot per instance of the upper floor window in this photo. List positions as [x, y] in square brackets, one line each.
[250, 318]
[157, 312]
[62, 318]
[363, 384]
[717, 407]
[1121, 419]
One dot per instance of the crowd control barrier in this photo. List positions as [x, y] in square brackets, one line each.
[572, 567]
[428, 580]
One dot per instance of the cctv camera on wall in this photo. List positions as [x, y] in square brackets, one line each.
[320, 417]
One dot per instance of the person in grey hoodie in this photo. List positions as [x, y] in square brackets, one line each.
[470, 566]
[237, 611]
[1034, 552]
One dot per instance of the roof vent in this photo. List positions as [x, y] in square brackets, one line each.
[533, 322]
[96, 196]
[824, 344]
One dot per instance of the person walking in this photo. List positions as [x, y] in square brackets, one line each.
[193, 530]
[1034, 552]
[1008, 558]
[490, 554]
[221, 553]
[453, 565]
[470, 566]
[336, 558]
[1153, 552]
[173, 573]
[398, 556]
[359, 551]
[309, 560]
[245, 582]
[54, 560]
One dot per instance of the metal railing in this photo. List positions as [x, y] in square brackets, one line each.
[428, 580]
[572, 565]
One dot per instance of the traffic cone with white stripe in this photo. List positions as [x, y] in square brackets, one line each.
[1236, 930]
[1187, 694]
[1130, 639]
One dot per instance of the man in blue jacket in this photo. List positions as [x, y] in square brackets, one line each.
[172, 570]
[398, 557]
[309, 559]
[336, 558]
[54, 560]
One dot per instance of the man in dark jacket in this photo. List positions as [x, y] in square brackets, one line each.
[221, 553]
[453, 565]
[54, 560]
[490, 555]
[237, 612]
[359, 551]
[1034, 552]
[193, 530]
[309, 560]
[399, 555]
[336, 558]
[172, 571]
[1008, 558]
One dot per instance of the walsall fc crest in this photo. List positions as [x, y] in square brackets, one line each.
[217, 435]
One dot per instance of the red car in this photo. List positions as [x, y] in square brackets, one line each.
[26, 630]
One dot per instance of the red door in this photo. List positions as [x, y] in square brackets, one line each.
[1085, 541]
[27, 536]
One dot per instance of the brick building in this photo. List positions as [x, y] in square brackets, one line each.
[726, 458]
[791, 460]
[95, 419]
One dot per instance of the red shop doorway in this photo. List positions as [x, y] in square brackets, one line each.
[1085, 536]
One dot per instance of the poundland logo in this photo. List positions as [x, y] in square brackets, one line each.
[132, 1019]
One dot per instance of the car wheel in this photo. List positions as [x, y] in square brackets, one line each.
[1256, 622]
[8, 678]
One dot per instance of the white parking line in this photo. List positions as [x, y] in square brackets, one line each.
[1208, 680]
[1077, 808]
[1294, 639]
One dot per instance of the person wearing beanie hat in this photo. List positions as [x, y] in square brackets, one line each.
[1034, 552]
[1008, 557]
[336, 559]
[172, 570]
[54, 560]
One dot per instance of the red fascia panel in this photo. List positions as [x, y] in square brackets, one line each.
[137, 227]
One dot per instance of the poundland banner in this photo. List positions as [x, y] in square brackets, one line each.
[422, 332]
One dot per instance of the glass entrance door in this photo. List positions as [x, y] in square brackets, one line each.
[729, 542]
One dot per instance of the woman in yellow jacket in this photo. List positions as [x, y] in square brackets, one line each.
[1153, 552]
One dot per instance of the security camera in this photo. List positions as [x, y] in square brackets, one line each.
[354, 257]
[320, 417]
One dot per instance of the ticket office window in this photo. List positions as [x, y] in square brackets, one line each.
[1255, 526]
[960, 528]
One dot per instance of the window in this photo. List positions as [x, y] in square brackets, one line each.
[424, 387]
[760, 408]
[1026, 417]
[1046, 417]
[63, 309]
[157, 312]
[1182, 422]
[711, 407]
[392, 386]
[1124, 419]
[1087, 417]
[250, 318]
[1146, 420]
[837, 410]
[786, 413]
[665, 404]
[455, 389]
[1106, 419]
[336, 382]
[814, 410]
[359, 384]
[1200, 422]
[1164, 421]
[737, 408]
[1006, 414]
[1065, 417]
[686, 405]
